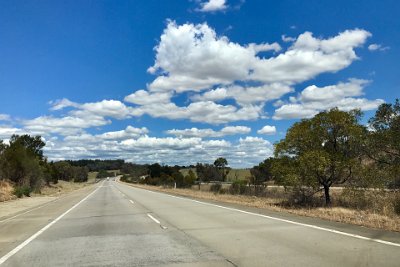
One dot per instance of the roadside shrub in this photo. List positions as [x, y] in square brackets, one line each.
[396, 204]
[223, 191]
[216, 188]
[354, 198]
[21, 191]
[238, 187]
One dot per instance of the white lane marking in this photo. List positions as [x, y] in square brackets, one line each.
[30, 239]
[284, 220]
[154, 219]
[131, 201]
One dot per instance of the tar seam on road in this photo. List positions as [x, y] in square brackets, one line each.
[284, 220]
[30, 239]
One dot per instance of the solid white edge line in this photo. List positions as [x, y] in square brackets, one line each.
[154, 219]
[282, 220]
[30, 239]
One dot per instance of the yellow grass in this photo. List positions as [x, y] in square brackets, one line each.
[6, 191]
[61, 187]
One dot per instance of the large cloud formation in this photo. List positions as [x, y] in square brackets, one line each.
[221, 82]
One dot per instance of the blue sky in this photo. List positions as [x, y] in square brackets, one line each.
[180, 82]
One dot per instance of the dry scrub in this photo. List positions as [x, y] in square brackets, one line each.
[61, 187]
[6, 191]
[368, 216]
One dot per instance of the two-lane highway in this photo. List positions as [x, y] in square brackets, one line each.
[120, 225]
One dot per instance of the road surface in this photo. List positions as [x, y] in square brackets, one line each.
[113, 224]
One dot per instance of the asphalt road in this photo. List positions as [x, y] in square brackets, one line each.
[114, 224]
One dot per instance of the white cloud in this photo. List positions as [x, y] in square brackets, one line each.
[257, 48]
[105, 108]
[193, 58]
[65, 125]
[202, 111]
[4, 117]
[268, 130]
[203, 133]
[314, 99]
[245, 152]
[62, 103]
[142, 97]
[287, 39]
[377, 47]
[212, 6]
[7, 131]
[246, 95]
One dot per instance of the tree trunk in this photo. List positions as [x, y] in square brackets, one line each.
[327, 196]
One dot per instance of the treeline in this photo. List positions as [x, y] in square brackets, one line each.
[22, 162]
[156, 174]
[334, 149]
[96, 165]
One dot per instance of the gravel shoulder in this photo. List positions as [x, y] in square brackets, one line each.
[20, 205]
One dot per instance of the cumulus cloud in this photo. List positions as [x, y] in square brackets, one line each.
[7, 131]
[194, 58]
[245, 152]
[267, 129]
[81, 117]
[202, 133]
[246, 95]
[212, 6]
[142, 97]
[378, 47]
[68, 125]
[287, 39]
[201, 111]
[62, 103]
[314, 99]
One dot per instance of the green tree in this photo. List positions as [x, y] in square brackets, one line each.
[22, 161]
[262, 172]
[321, 151]
[220, 164]
[383, 143]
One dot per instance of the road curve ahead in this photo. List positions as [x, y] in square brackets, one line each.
[120, 225]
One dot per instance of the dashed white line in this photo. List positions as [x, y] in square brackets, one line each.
[131, 201]
[154, 219]
[30, 239]
[284, 220]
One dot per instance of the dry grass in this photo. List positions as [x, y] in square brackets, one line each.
[6, 191]
[369, 218]
[60, 188]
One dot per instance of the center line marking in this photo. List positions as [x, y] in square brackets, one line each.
[154, 219]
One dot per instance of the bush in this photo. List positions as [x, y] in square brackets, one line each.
[238, 187]
[396, 204]
[215, 187]
[21, 191]
[354, 198]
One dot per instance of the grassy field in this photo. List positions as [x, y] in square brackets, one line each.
[234, 174]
